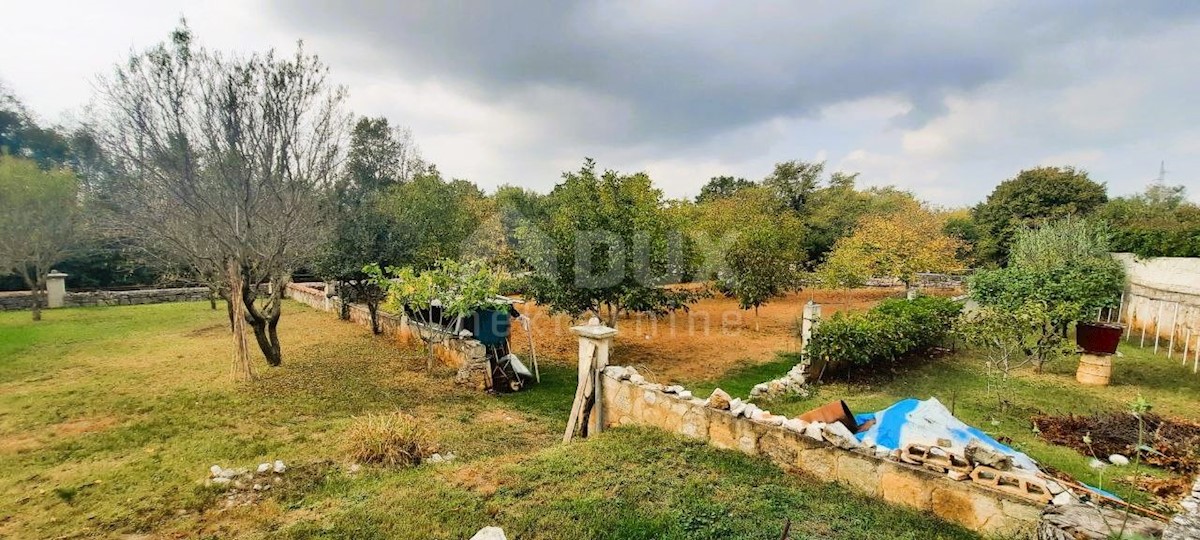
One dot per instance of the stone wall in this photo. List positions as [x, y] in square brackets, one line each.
[1186, 524]
[20, 300]
[468, 356]
[628, 399]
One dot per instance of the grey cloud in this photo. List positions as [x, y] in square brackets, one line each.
[689, 70]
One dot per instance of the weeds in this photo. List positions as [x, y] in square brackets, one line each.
[392, 439]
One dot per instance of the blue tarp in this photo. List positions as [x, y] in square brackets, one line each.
[912, 421]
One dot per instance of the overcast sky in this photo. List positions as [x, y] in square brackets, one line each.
[945, 99]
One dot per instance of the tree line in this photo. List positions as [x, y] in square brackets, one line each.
[238, 172]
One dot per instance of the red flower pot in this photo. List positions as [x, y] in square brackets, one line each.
[1097, 337]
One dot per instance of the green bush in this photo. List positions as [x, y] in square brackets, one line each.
[887, 332]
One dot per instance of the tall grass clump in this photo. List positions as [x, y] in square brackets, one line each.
[391, 439]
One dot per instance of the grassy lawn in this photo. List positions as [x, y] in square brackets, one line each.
[957, 380]
[110, 418]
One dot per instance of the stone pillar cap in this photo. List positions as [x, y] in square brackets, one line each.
[56, 274]
[594, 331]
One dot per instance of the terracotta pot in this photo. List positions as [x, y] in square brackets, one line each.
[1098, 338]
[834, 411]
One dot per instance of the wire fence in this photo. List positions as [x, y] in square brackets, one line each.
[1170, 327]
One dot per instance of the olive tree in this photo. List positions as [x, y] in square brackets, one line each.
[39, 220]
[220, 163]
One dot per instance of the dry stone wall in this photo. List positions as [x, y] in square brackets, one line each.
[20, 300]
[630, 400]
[1186, 524]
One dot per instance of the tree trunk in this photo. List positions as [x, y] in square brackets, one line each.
[343, 302]
[35, 304]
[36, 298]
[264, 323]
[373, 309]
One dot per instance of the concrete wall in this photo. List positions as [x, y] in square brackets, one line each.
[1163, 294]
[971, 505]
[468, 356]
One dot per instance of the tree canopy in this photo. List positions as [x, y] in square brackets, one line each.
[900, 245]
[1160, 222]
[608, 241]
[39, 221]
[1033, 197]
[221, 163]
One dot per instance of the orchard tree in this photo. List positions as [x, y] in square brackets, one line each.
[900, 245]
[39, 222]
[833, 211]
[1033, 197]
[607, 242]
[431, 218]
[380, 157]
[221, 164]
[762, 263]
[1065, 267]
[715, 224]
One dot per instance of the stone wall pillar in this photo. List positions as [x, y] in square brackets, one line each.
[595, 341]
[812, 312]
[56, 289]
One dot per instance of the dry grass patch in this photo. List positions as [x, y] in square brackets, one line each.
[392, 439]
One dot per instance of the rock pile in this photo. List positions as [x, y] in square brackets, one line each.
[244, 486]
[440, 458]
[793, 383]
[1186, 524]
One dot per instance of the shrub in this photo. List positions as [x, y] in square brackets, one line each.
[887, 332]
[389, 439]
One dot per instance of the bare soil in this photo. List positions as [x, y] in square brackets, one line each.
[713, 336]
[1176, 442]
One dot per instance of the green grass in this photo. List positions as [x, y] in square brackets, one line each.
[110, 418]
[958, 382]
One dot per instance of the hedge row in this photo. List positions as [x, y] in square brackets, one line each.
[887, 332]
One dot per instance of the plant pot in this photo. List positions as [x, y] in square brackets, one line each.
[834, 411]
[1098, 338]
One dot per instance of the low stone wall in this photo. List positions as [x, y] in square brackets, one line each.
[1186, 524]
[20, 300]
[468, 356]
[630, 400]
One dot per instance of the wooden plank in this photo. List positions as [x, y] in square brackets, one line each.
[588, 352]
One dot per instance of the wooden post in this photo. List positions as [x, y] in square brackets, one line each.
[1174, 320]
[595, 340]
[1187, 340]
[1157, 325]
